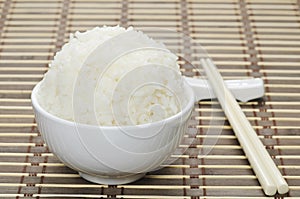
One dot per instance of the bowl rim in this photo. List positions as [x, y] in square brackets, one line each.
[187, 108]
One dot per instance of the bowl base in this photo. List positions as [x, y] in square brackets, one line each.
[111, 180]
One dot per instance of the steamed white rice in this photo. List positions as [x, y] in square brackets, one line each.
[139, 87]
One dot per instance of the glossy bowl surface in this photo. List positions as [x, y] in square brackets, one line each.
[112, 154]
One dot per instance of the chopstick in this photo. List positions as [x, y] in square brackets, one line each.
[265, 169]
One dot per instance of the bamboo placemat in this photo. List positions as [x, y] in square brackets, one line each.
[245, 38]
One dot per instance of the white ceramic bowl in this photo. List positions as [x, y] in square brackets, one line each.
[112, 154]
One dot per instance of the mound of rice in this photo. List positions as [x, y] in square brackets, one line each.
[139, 87]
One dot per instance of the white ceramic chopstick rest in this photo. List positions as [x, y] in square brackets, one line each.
[243, 90]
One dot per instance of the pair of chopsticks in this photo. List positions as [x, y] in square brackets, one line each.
[265, 169]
